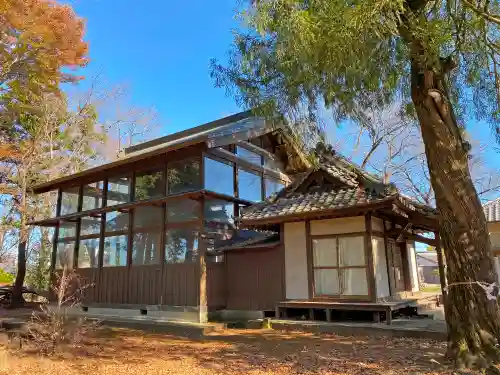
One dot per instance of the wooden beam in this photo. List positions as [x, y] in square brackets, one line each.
[404, 230]
[369, 252]
[387, 260]
[309, 258]
[411, 236]
[202, 272]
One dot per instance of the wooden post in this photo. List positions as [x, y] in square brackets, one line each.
[202, 270]
[442, 269]
[372, 285]
[309, 258]
[388, 261]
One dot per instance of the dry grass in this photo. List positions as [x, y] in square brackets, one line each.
[122, 351]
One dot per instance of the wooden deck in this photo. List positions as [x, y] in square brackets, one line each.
[386, 307]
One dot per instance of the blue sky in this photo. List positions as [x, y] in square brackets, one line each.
[161, 51]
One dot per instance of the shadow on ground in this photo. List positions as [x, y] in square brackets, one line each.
[238, 351]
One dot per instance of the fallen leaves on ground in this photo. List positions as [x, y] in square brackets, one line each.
[121, 351]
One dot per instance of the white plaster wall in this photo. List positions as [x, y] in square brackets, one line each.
[338, 226]
[380, 263]
[412, 265]
[296, 283]
[377, 224]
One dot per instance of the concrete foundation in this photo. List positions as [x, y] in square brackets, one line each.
[236, 315]
[144, 312]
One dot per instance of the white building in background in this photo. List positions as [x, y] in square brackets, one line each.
[492, 212]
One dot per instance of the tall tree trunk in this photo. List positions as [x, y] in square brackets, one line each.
[17, 297]
[473, 319]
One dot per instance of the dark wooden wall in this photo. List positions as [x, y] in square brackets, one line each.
[254, 279]
[249, 280]
[175, 285]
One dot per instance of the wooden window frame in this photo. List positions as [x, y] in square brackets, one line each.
[366, 266]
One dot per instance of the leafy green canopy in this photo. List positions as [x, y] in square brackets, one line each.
[298, 56]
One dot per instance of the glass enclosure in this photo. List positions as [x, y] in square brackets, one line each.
[249, 186]
[219, 176]
[115, 251]
[183, 176]
[273, 186]
[118, 191]
[181, 245]
[93, 195]
[69, 200]
[160, 231]
[149, 185]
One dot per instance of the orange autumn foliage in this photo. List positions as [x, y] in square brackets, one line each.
[38, 38]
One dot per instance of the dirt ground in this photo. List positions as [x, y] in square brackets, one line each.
[123, 351]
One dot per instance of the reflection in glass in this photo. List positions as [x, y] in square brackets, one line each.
[219, 211]
[118, 191]
[65, 254]
[69, 200]
[183, 210]
[181, 246]
[90, 225]
[149, 185]
[249, 186]
[115, 251]
[146, 248]
[88, 253]
[273, 186]
[92, 196]
[183, 176]
[219, 177]
[67, 229]
[148, 217]
[248, 155]
[116, 221]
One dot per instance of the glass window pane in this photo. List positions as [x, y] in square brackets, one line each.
[65, 254]
[219, 177]
[181, 246]
[115, 251]
[248, 155]
[148, 217]
[146, 248]
[116, 220]
[249, 186]
[149, 185]
[88, 253]
[69, 200]
[273, 164]
[92, 196]
[325, 252]
[67, 229]
[354, 282]
[90, 225]
[183, 210]
[219, 211]
[273, 186]
[326, 282]
[118, 191]
[183, 176]
[352, 251]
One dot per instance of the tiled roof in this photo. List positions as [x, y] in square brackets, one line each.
[244, 238]
[312, 201]
[358, 189]
[492, 210]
